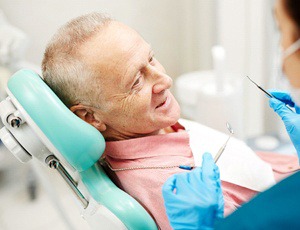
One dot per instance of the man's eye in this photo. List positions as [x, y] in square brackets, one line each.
[151, 60]
[137, 81]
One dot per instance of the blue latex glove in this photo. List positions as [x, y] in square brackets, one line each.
[290, 119]
[194, 200]
[285, 97]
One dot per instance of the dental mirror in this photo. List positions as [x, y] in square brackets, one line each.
[229, 128]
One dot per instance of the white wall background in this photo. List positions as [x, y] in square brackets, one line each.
[242, 31]
[181, 33]
[164, 24]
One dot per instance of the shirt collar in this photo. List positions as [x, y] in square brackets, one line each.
[176, 143]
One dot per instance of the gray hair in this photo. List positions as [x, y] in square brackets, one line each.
[64, 69]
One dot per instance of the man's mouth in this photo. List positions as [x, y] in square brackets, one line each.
[161, 104]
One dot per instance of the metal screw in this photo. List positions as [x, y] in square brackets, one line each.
[15, 122]
[52, 162]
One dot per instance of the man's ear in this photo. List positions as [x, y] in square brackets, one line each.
[88, 115]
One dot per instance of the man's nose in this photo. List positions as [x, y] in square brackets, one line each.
[161, 81]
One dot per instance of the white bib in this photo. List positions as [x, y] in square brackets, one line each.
[238, 164]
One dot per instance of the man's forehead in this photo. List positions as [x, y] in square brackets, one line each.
[115, 51]
[125, 40]
[114, 42]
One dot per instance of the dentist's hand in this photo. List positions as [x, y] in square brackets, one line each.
[290, 119]
[194, 200]
[286, 98]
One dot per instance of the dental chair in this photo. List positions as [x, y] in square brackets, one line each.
[38, 125]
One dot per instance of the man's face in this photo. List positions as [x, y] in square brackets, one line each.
[136, 99]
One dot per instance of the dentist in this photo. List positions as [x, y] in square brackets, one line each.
[276, 208]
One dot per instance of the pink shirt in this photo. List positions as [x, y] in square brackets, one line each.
[172, 149]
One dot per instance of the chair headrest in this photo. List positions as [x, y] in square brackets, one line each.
[77, 141]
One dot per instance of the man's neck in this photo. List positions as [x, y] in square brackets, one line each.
[116, 136]
[167, 130]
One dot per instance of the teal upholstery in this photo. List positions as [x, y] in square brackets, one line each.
[120, 203]
[79, 143]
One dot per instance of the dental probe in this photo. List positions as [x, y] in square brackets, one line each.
[267, 93]
[221, 150]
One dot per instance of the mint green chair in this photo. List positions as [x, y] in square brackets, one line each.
[38, 125]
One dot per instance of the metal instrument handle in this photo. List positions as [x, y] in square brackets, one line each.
[54, 163]
[221, 150]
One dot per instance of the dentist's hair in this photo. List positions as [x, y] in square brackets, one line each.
[64, 68]
[293, 9]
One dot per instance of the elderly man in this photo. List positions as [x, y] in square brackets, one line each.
[107, 75]
[120, 81]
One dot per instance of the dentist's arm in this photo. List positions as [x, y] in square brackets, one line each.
[290, 119]
[194, 200]
[276, 208]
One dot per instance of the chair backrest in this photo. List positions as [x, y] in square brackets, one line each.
[80, 144]
[74, 142]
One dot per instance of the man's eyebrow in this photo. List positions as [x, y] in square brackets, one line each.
[142, 65]
[151, 52]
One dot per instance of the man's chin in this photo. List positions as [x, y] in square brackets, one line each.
[172, 120]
